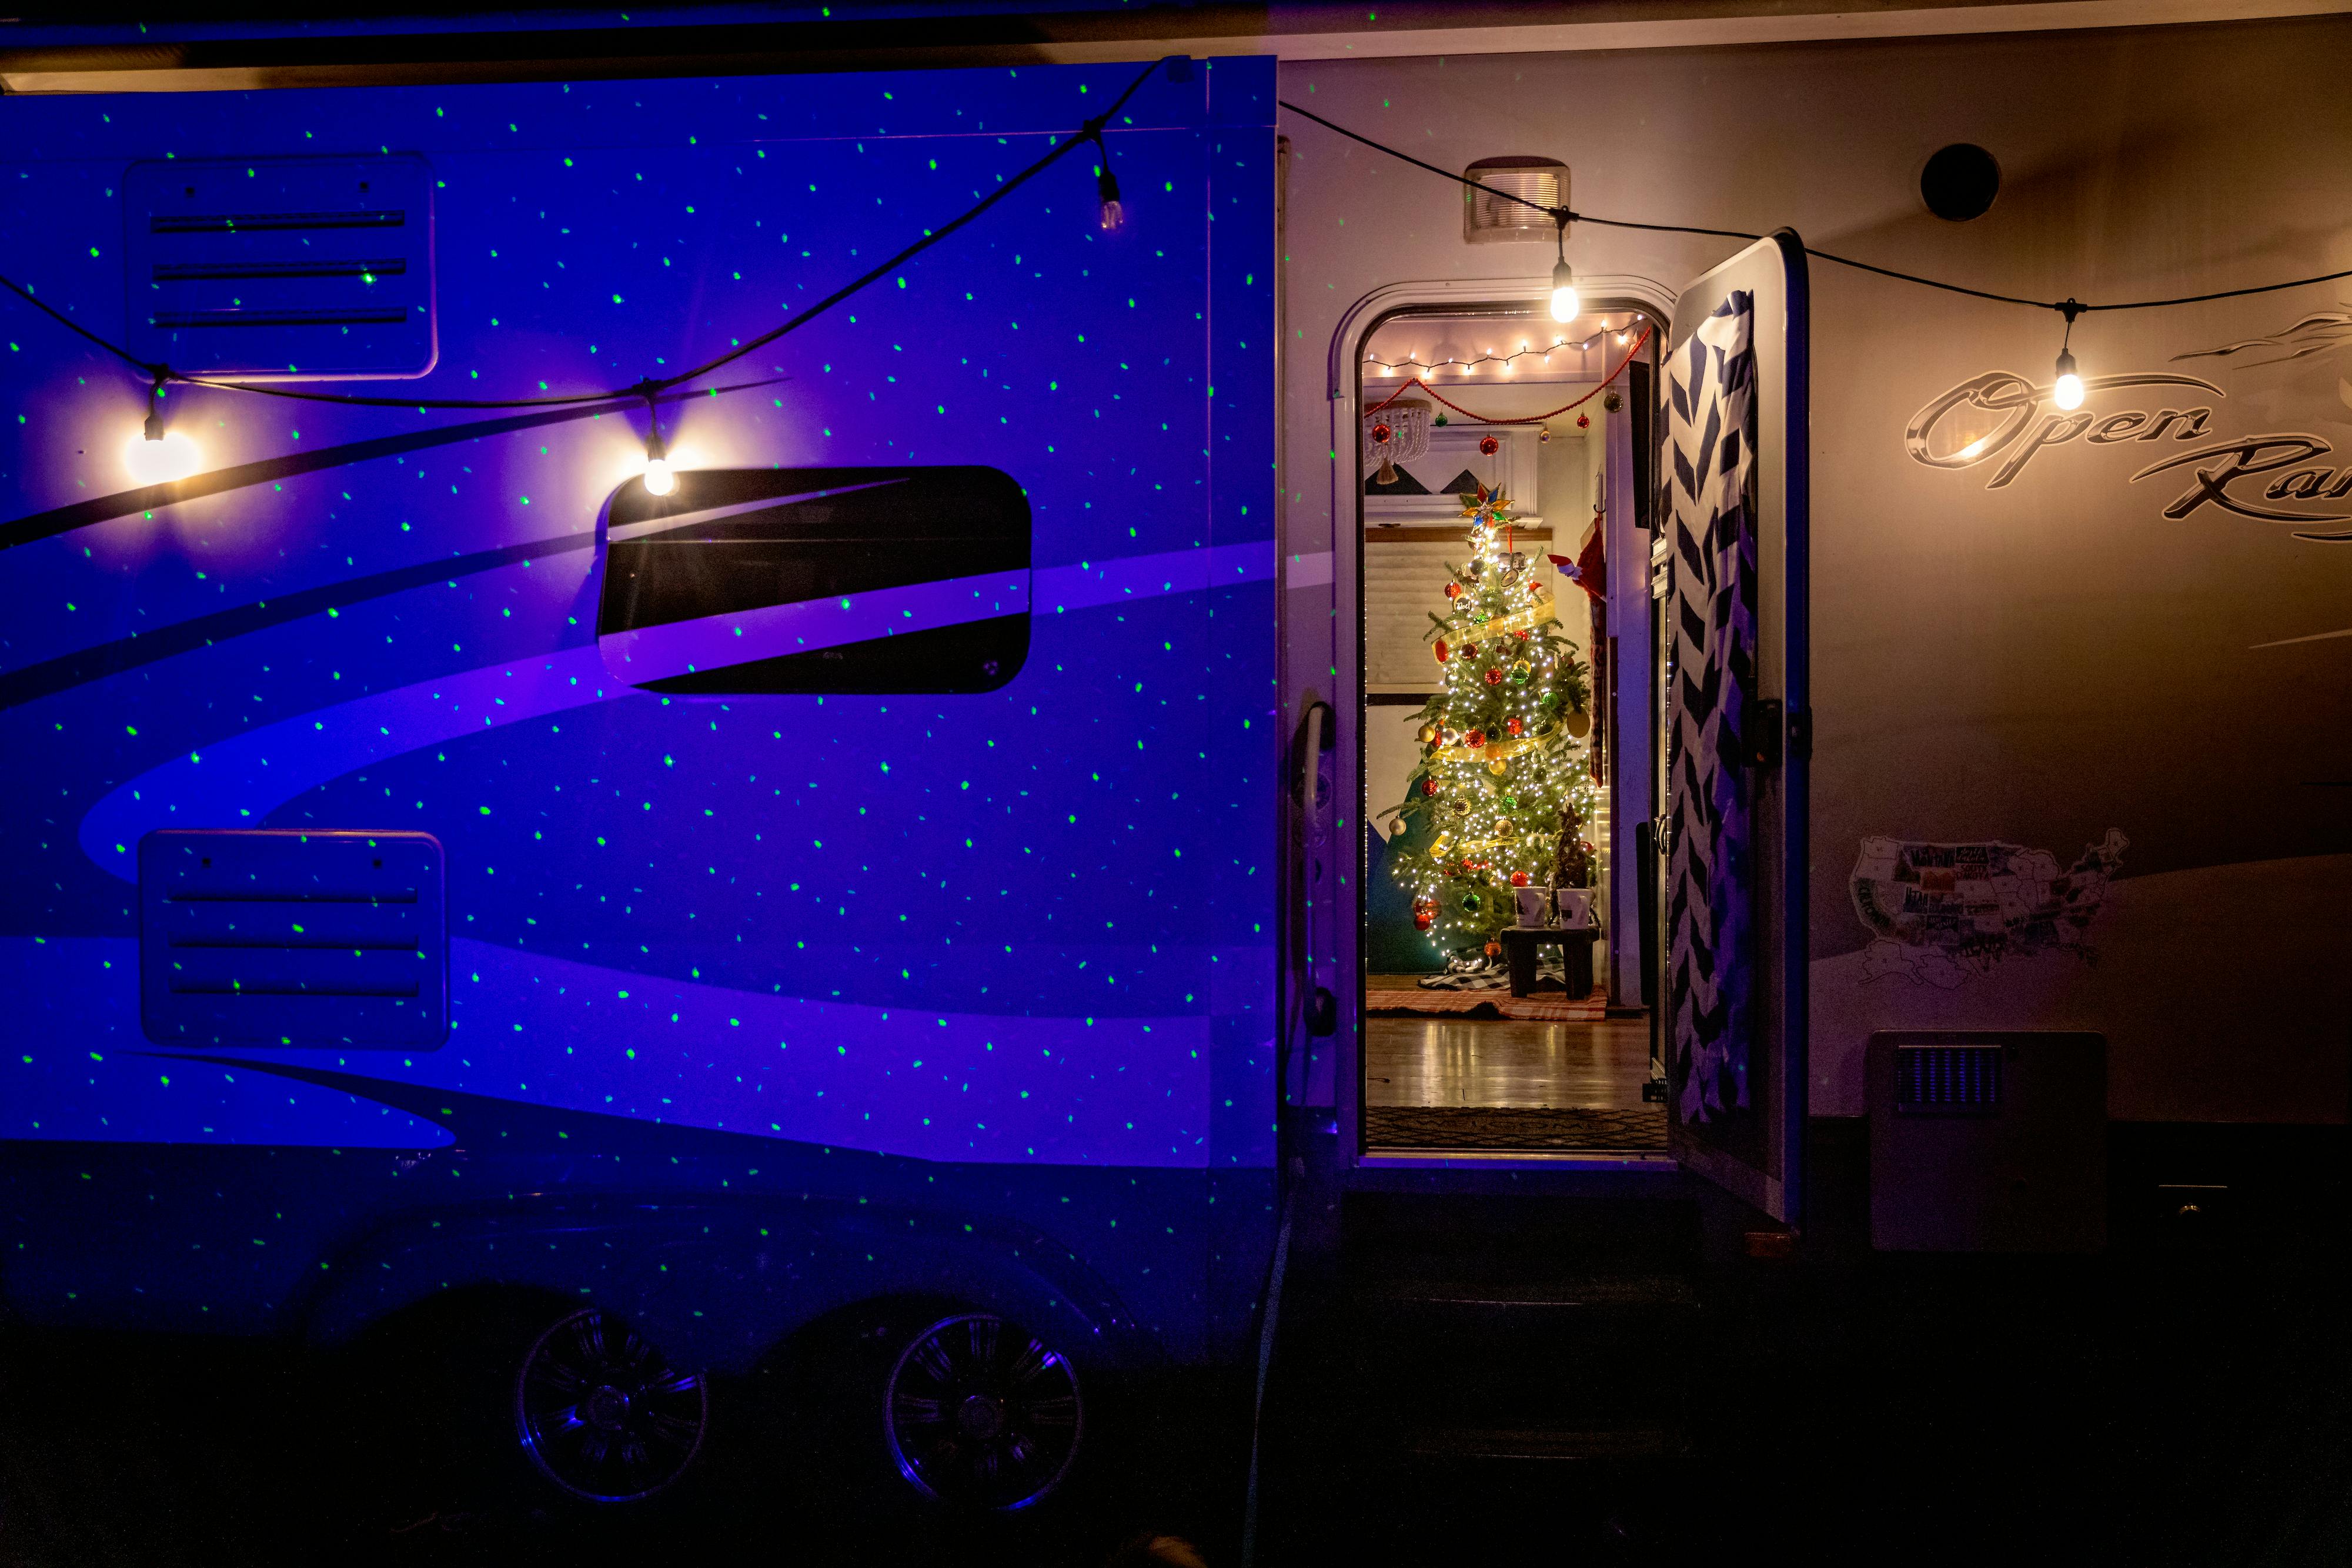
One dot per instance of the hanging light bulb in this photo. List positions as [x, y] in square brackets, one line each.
[2066, 392]
[660, 479]
[158, 454]
[1107, 188]
[1563, 276]
[1563, 292]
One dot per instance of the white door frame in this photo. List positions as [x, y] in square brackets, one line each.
[1339, 905]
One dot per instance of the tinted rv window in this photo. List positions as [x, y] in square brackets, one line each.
[817, 580]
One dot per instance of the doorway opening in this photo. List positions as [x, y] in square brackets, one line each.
[1503, 481]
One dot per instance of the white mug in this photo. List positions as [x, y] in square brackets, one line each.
[1535, 906]
[1576, 908]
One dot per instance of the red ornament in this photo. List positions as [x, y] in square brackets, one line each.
[1475, 740]
[1583, 422]
[1514, 725]
[1452, 590]
[1518, 879]
[1420, 923]
[1469, 864]
[1442, 652]
[1488, 446]
[1494, 676]
[1522, 633]
[1381, 434]
[1429, 786]
[1469, 650]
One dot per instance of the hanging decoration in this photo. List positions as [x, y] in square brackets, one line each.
[1393, 433]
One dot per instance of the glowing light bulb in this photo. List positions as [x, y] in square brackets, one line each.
[1563, 293]
[2066, 392]
[660, 479]
[159, 457]
[1106, 190]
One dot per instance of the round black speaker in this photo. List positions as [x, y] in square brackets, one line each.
[1960, 182]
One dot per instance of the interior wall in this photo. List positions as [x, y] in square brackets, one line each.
[2036, 659]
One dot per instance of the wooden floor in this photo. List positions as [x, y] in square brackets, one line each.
[1499, 1062]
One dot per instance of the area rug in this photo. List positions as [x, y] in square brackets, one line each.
[1633, 1129]
[1542, 1007]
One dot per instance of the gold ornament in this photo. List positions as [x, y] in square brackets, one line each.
[1579, 723]
[1498, 767]
[1507, 829]
[1430, 733]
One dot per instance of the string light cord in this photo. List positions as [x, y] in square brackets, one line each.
[1562, 216]
[1530, 419]
[1089, 131]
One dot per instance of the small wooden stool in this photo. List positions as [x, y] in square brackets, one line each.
[1519, 942]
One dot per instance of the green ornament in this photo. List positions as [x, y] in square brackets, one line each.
[1510, 802]
[1472, 903]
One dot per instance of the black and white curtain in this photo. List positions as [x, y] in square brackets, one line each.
[1709, 466]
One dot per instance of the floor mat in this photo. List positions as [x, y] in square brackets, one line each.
[1553, 1007]
[1639, 1127]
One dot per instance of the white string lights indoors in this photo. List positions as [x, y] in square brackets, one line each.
[2066, 386]
[1412, 364]
[159, 455]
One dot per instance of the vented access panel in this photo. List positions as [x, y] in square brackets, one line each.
[281, 267]
[290, 938]
[1947, 1080]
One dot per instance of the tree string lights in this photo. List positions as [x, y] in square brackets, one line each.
[1499, 780]
[159, 454]
[1563, 278]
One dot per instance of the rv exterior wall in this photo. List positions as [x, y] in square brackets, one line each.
[2063, 655]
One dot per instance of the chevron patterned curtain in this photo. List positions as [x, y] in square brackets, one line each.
[1709, 465]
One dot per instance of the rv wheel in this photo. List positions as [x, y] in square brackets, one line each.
[601, 1413]
[981, 1413]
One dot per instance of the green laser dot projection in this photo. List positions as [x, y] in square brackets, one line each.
[174, 456]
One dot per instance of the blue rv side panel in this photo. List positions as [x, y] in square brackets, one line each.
[893, 874]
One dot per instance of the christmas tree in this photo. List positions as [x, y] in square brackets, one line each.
[1502, 775]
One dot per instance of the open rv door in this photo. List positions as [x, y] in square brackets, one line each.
[1736, 730]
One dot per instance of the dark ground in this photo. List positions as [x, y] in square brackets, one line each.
[1532, 1381]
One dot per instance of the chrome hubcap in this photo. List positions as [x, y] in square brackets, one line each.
[602, 1413]
[981, 1414]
